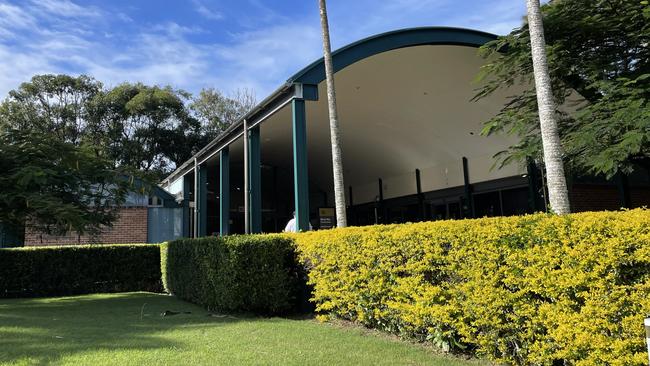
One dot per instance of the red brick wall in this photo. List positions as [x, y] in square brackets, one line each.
[639, 197]
[130, 227]
[593, 197]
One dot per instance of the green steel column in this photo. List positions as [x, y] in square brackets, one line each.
[532, 185]
[202, 200]
[352, 214]
[381, 208]
[300, 174]
[418, 188]
[224, 191]
[187, 212]
[623, 187]
[469, 202]
[255, 180]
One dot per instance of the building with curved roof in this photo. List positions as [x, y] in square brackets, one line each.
[411, 142]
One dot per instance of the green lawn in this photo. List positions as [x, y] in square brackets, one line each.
[127, 329]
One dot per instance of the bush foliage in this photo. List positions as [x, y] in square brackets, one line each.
[236, 273]
[536, 289]
[73, 270]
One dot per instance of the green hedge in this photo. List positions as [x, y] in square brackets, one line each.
[529, 290]
[73, 270]
[236, 273]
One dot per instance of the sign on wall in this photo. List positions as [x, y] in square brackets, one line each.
[327, 217]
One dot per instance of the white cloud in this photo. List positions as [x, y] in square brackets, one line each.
[124, 17]
[263, 59]
[61, 43]
[17, 68]
[498, 17]
[60, 36]
[12, 19]
[175, 30]
[160, 54]
[53, 37]
[152, 58]
[66, 8]
[205, 11]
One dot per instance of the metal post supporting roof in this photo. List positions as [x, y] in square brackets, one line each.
[255, 180]
[246, 182]
[224, 191]
[300, 163]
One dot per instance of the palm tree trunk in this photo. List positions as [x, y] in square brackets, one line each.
[557, 188]
[337, 164]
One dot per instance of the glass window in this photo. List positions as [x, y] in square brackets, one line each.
[455, 211]
[515, 201]
[439, 212]
[487, 204]
[155, 201]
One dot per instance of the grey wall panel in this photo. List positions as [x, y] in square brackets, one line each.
[164, 224]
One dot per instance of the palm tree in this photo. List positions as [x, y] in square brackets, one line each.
[337, 164]
[557, 189]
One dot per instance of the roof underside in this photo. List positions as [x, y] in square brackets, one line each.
[345, 56]
[399, 111]
[404, 93]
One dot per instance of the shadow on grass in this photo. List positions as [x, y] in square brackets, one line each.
[44, 330]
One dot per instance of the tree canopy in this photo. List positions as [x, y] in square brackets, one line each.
[54, 186]
[149, 128]
[56, 104]
[216, 111]
[69, 147]
[599, 61]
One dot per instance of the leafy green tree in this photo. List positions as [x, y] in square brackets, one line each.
[55, 104]
[146, 127]
[217, 112]
[56, 187]
[67, 144]
[149, 128]
[599, 63]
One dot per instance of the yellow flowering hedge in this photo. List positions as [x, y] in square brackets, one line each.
[530, 290]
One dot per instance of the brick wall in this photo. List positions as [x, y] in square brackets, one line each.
[593, 197]
[130, 227]
[639, 196]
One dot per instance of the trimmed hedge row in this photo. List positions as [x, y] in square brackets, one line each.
[255, 273]
[528, 290]
[74, 270]
[536, 289]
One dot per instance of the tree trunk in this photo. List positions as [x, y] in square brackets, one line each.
[337, 164]
[557, 188]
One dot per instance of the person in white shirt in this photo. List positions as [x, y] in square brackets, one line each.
[291, 225]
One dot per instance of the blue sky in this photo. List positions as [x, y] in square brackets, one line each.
[194, 44]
